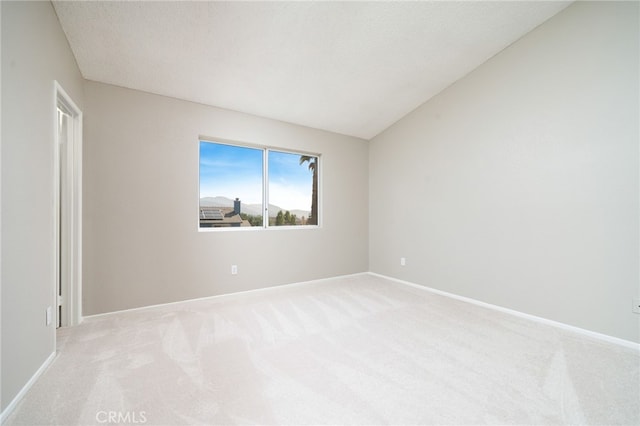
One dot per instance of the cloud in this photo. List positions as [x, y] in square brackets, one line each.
[248, 191]
[290, 196]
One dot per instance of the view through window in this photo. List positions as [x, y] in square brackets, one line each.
[237, 182]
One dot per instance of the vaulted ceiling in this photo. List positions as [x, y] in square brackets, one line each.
[349, 67]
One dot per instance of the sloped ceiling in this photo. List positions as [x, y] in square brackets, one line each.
[349, 67]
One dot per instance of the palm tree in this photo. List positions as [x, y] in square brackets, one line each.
[313, 161]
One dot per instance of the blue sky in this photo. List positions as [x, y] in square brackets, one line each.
[232, 171]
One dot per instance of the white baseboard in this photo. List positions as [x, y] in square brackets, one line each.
[557, 324]
[226, 295]
[12, 405]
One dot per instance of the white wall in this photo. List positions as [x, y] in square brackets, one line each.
[34, 54]
[518, 185]
[141, 239]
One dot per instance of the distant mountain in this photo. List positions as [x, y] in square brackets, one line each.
[250, 209]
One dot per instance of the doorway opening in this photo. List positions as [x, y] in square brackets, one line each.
[68, 210]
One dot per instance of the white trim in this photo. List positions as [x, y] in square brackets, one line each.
[557, 324]
[595, 335]
[73, 292]
[12, 405]
[266, 149]
[228, 295]
[265, 189]
[56, 203]
[243, 144]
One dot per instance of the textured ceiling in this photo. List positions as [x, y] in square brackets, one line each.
[348, 67]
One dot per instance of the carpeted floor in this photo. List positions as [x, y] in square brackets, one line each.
[353, 350]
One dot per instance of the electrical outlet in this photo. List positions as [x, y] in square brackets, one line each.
[403, 261]
[234, 269]
[636, 306]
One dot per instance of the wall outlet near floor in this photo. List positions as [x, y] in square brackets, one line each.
[234, 269]
[403, 261]
[636, 306]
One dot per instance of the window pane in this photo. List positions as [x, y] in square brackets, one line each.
[293, 189]
[230, 186]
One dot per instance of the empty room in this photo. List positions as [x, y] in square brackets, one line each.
[296, 213]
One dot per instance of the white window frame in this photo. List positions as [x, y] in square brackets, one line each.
[265, 186]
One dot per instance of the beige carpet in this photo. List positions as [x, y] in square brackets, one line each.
[354, 350]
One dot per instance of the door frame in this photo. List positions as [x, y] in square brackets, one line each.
[72, 233]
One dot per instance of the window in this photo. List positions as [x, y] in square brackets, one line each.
[243, 186]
